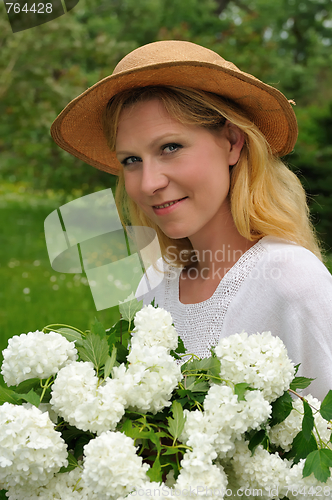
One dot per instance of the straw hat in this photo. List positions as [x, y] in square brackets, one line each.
[78, 128]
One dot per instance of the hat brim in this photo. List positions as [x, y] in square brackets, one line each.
[78, 129]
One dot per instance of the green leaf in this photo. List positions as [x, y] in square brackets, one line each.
[94, 349]
[129, 308]
[98, 329]
[127, 427]
[189, 382]
[211, 366]
[200, 387]
[8, 396]
[72, 464]
[155, 438]
[155, 472]
[300, 383]
[26, 386]
[257, 439]
[241, 389]
[69, 334]
[122, 353]
[171, 450]
[308, 421]
[70, 434]
[281, 408]
[32, 398]
[80, 443]
[301, 447]
[176, 424]
[109, 363]
[326, 407]
[179, 350]
[119, 333]
[318, 462]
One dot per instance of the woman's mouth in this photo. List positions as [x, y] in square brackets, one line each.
[158, 208]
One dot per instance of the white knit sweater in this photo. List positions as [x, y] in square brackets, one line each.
[275, 286]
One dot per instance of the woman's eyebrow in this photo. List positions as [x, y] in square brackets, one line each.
[155, 142]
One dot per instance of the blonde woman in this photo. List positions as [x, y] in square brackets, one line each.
[196, 145]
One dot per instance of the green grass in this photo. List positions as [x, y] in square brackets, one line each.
[32, 295]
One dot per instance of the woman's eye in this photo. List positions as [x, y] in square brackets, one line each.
[130, 160]
[170, 148]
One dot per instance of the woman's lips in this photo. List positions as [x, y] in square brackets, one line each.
[171, 205]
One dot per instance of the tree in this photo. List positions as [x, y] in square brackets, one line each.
[286, 43]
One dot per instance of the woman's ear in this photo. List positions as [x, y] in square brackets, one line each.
[236, 138]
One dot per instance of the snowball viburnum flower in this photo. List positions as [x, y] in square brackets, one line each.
[224, 419]
[31, 451]
[111, 467]
[63, 486]
[36, 355]
[260, 360]
[158, 373]
[153, 326]
[78, 397]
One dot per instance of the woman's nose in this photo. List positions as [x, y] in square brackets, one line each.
[153, 177]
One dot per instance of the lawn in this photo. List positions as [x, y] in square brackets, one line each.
[32, 295]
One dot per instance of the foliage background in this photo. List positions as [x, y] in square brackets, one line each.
[286, 43]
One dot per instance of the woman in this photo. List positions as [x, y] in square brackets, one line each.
[196, 145]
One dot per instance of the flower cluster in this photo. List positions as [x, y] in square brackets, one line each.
[84, 403]
[259, 360]
[36, 355]
[66, 486]
[111, 466]
[151, 377]
[31, 451]
[151, 426]
[274, 476]
[145, 385]
[154, 327]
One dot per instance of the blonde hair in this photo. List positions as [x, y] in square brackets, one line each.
[266, 197]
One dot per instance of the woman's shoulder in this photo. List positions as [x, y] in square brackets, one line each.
[292, 267]
[288, 253]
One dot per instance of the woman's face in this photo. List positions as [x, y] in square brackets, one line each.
[177, 174]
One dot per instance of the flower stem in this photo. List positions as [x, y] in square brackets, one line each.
[50, 327]
[45, 387]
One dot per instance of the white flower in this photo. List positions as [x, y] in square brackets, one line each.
[111, 466]
[229, 418]
[261, 471]
[82, 402]
[260, 360]
[36, 355]
[283, 434]
[64, 486]
[153, 326]
[149, 491]
[200, 475]
[150, 378]
[31, 451]
[159, 379]
[306, 487]
[276, 477]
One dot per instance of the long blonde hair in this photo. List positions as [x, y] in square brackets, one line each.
[266, 197]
